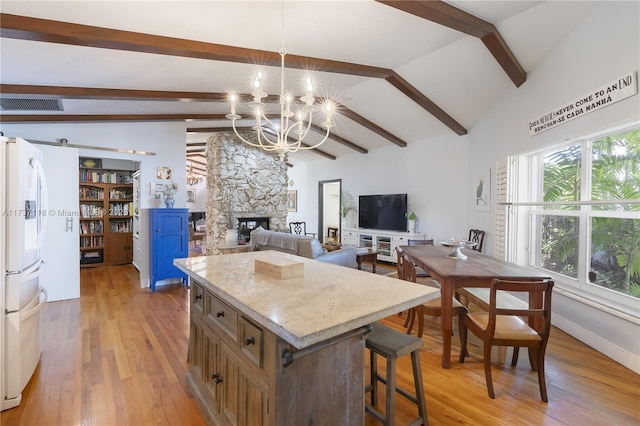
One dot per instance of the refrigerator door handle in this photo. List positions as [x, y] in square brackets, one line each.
[31, 312]
[44, 196]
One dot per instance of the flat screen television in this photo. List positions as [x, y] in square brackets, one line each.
[386, 212]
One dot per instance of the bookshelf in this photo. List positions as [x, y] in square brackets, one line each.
[106, 217]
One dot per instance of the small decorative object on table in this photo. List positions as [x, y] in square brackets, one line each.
[170, 188]
[457, 244]
[412, 222]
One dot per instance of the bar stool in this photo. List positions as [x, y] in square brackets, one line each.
[392, 344]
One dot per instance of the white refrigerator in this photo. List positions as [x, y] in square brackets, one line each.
[23, 208]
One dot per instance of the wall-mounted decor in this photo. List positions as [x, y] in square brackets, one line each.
[156, 189]
[164, 173]
[482, 191]
[91, 163]
[292, 200]
[191, 195]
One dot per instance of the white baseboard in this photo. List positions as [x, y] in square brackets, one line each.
[620, 355]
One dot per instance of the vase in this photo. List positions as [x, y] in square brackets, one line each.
[231, 237]
[412, 226]
[169, 202]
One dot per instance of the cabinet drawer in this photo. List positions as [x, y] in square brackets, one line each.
[251, 341]
[400, 240]
[197, 298]
[222, 315]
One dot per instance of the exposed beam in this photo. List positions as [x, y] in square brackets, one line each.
[339, 139]
[70, 92]
[43, 118]
[450, 16]
[126, 94]
[202, 163]
[44, 30]
[372, 126]
[406, 88]
[196, 144]
[193, 151]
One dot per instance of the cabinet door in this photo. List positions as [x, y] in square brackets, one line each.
[229, 395]
[196, 351]
[168, 240]
[211, 369]
[383, 246]
[120, 249]
[243, 397]
[254, 399]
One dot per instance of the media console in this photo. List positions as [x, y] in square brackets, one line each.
[384, 242]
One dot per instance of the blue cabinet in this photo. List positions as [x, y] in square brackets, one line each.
[168, 240]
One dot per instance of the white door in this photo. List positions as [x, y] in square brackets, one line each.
[60, 249]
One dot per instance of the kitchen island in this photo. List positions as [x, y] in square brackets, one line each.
[270, 351]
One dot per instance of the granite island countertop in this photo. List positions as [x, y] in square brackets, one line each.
[327, 301]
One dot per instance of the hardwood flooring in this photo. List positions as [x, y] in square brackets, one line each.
[117, 356]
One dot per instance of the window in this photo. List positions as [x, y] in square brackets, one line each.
[578, 208]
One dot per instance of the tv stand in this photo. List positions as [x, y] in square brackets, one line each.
[384, 242]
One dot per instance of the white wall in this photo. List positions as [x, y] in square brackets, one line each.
[604, 47]
[166, 140]
[431, 172]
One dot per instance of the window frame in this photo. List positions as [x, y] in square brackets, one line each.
[528, 207]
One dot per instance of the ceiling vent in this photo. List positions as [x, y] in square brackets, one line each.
[30, 104]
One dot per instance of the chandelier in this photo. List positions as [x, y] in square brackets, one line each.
[193, 178]
[295, 116]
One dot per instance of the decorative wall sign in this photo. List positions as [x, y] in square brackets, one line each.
[482, 191]
[617, 90]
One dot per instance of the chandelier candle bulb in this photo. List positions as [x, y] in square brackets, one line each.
[274, 136]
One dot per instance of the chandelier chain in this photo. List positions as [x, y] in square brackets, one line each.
[276, 136]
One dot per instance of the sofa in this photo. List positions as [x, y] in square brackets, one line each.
[301, 245]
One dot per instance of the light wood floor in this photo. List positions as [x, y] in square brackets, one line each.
[117, 356]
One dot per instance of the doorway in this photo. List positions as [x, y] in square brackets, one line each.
[329, 210]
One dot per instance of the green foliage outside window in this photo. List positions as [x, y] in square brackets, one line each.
[615, 240]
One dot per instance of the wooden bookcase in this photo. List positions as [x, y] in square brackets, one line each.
[106, 217]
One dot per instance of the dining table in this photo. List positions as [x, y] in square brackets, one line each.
[476, 270]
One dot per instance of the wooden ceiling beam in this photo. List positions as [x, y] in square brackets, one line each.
[127, 94]
[202, 163]
[70, 92]
[371, 126]
[406, 88]
[44, 30]
[43, 118]
[49, 31]
[450, 16]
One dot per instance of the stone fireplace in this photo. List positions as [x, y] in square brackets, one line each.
[243, 184]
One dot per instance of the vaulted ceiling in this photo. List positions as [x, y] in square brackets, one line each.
[400, 71]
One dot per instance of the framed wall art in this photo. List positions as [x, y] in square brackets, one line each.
[482, 191]
[191, 195]
[292, 200]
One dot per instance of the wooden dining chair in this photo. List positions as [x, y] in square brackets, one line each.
[195, 236]
[299, 228]
[506, 327]
[432, 307]
[420, 273]
[476, 236]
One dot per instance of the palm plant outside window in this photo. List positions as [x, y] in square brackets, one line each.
[584, 211]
